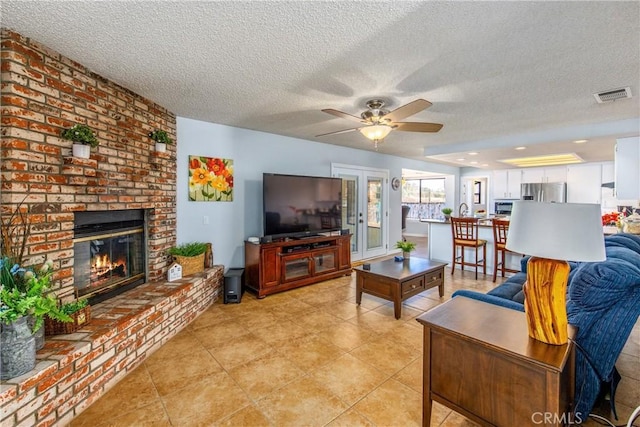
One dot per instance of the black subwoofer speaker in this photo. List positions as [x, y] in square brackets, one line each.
[233, 281]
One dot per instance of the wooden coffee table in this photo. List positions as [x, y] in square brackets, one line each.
[398, 280]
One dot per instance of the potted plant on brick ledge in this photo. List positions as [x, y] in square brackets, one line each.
[83, 140]
[161, 139]
[190, 256]
[79, 312]
[24, 293]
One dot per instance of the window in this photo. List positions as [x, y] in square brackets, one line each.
[425, 197]
[477, 192]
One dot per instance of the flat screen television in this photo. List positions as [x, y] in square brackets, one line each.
[297, 206]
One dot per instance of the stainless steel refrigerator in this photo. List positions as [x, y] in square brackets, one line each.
[544, 192]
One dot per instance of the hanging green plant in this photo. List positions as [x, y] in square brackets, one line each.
[80, 134]
[161, 136]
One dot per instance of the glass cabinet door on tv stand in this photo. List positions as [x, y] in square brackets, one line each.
[324, 262]
[298, 266]
[295, 266]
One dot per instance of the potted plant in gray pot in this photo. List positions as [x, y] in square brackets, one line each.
[24, 294]
[83, 140]
[161, 139]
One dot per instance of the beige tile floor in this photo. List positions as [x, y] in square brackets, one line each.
[306, 357]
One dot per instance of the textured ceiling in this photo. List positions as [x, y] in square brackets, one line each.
[497, 73]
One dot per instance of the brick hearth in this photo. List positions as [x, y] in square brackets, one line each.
[74, 370]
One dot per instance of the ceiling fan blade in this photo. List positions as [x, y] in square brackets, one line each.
[343, 115]
[338, 132]
[407, 110]
[417, 127]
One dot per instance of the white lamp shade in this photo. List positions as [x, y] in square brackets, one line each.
[375, 132]
[562, 231]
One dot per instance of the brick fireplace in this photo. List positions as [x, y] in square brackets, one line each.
[42, 93]
[109, 252]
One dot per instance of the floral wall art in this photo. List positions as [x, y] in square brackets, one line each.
[210, 179]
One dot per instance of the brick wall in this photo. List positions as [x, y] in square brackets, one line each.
[74, 370]
[44, 92]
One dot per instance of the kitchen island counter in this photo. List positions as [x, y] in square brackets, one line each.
[441, 244]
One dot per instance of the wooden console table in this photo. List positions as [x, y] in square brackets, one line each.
[480, 362]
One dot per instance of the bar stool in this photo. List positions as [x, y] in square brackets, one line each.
[500, 230]
[465, 235]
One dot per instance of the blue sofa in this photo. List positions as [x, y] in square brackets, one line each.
[603, 301]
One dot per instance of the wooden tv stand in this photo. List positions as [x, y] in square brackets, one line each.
[290, 263]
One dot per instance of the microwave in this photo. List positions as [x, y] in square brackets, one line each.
[503, 207]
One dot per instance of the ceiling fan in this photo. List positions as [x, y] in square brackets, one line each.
[377, 122]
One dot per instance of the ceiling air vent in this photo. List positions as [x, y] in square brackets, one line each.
[612, 95]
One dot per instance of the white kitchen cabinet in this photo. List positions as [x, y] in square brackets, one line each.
[555, 174]
[514, 180]
[506, 184]
[499, 184]
[548, 174]
[531, 175]
[584, 183]
[627, 168]
[608, 172]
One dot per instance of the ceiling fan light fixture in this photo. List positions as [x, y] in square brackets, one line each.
[377, 122]
[376, 132]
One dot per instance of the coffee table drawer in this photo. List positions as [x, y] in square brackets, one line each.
[433, 279]
[413, 285]
[379, 287]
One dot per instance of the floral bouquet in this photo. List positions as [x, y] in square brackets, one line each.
[612, 219]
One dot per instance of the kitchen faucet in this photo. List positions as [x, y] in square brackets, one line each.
[461, 212]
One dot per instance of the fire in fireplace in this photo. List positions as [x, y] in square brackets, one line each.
[109, 252]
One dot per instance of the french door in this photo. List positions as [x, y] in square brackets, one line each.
[364, 209]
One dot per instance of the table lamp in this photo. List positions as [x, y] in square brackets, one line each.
[553, 233]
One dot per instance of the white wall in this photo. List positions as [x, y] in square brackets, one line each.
[254, 153]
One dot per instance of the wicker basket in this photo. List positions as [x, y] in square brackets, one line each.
[56, 327]
[190, 264]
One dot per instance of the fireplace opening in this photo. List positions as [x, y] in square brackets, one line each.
[109, 253]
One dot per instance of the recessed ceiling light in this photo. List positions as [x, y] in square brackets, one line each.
[473, 153]
[521, 148]
[580, 141]
[485, 164]
[555, 159]
[460, 160]
[474, 163]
